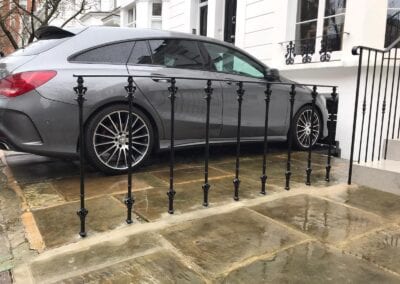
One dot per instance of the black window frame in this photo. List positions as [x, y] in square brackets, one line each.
[70, 58]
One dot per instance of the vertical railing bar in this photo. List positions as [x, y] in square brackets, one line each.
[309, 169]
[264, 177]
[396, 103]
[390, 104]
[355, 117]
[370, 106]
[384, 107]
[332, 117]
[206, 186]
[171, 192]
[377, 108]
[236, 182]
[129, 200]
[80, 90]
[288, 173]
[364, 107]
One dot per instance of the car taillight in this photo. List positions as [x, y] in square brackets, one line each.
[18, 84]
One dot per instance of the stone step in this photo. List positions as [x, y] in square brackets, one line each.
[383, 175]
[393, 150]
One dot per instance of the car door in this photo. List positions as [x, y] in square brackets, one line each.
[228, 63]
[177, 58]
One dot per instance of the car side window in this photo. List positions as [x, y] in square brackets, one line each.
[116, 53]
[176, 53]
[140, 53]
[224, 59]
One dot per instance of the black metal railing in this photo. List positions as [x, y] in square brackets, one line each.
[378, 85]
[173, 88]
[306, 48]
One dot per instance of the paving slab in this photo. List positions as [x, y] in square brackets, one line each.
[50, 268]
[382, 203]
[309, 263]
[96, 185]
[217, 243]
[323, 219]
[189, 174]
[152, 204]
[59, 225]
[381, 247]
[160, 267]
[41, 194]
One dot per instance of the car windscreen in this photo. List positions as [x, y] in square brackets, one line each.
[38, 47]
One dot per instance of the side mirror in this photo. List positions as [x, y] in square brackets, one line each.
[272, 74]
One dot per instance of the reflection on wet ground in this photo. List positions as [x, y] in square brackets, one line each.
[307, 235]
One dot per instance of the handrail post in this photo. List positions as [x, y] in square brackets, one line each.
[309, 169]
[171, 192]
[290, 138]
[332, 116]
[264, 177]
[353, 137]
[240, 92]
[80, 90]
[130, 200]
[206, 186]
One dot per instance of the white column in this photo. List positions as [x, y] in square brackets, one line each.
[143, 14]
[215, 21]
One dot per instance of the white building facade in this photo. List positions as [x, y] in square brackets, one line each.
[275, 31]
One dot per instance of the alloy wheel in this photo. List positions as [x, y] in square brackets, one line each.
[303, 128]
[111, 140]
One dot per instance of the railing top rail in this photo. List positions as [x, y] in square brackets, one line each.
[355, 50]
[259, 81]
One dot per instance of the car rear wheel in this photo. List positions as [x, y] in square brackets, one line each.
[302, 132]
[107, 139]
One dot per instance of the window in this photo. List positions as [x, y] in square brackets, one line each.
[223, 59]
[132, 17]
[392, 22]
[331, 17]
[140, 54]
[176, 53]
[157, 8]
[117, 53]
[334, 23]
[203, 15]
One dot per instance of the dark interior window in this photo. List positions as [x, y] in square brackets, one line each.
[392, 22]
[117, 53]
[176, 53]
[157, 8]
[140, 54]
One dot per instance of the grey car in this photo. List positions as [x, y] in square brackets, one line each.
[39, 114]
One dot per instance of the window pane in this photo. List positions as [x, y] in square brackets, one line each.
[333, 31]
[393, 3]
[333, 7]
[110, 54]
[140, 54]
[203, 20]
[227, 60]
[176, 53]
[157, 7]
[392, 26]
[307, 10]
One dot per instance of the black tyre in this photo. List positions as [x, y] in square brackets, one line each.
[302, 128]
[107, 139]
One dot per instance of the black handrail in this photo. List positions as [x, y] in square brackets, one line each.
[81, 90]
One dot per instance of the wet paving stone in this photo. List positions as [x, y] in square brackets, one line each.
[160, 267]
[382, 203]
[216, 243]
[309, 263]
[41, 194]
[152, 204]
[90, 258]
[325, 220]
[381, 247]
[59, 225]
[188, 174]
[96, 185]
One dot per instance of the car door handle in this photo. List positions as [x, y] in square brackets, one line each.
[158, 80]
